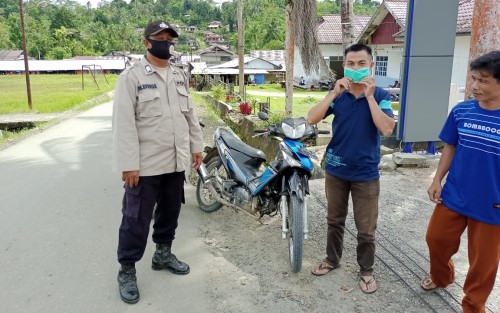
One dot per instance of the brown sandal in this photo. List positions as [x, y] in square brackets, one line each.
[367, 281]
[322, 268]
[427, 284]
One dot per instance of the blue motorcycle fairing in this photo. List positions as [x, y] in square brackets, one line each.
[268, 175]
[294, 147]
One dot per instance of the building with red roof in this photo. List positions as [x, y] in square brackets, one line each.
[385, 32]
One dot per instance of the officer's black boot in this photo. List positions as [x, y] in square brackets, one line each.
[127, 282]
[164, 259]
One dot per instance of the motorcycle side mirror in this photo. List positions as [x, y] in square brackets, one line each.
[263, 116]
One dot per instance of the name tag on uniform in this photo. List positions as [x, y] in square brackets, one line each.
[146, 86]
[179, 83]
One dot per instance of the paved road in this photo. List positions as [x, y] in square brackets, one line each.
[60, 213]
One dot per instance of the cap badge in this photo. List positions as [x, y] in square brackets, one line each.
[163, 25]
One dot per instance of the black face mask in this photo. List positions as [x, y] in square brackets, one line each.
[161, 49]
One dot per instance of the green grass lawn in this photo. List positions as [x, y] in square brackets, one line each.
[50, 93]
[277, 88]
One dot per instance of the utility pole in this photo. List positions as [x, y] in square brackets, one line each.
[241, 50]
[346, 20]
[485, 33]
[289, 56]
[25, 53]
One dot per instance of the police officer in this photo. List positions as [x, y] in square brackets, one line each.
[155, 130]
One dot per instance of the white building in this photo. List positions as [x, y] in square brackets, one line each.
[384, 33]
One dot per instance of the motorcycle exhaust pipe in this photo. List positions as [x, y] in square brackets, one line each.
[203, 173]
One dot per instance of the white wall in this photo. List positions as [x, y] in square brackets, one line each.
[460, 60]
[326, 51]
[395, 59]
[259, 64]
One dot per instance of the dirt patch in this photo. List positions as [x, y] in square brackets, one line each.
[250, 270]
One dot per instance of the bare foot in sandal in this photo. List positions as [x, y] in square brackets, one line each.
[427, 284]
[368, 284]
[323, 268]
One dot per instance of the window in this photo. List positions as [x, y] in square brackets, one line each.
[381, 66]
[335, 59]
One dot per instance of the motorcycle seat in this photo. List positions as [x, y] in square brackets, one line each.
[236, 144]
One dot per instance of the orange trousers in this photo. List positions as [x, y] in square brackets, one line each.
[443, 238]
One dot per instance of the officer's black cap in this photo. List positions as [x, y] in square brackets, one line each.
[156, 27]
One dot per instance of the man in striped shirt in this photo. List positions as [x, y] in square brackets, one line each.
[470, 197]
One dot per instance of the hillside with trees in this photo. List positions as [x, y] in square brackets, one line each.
[59, 29]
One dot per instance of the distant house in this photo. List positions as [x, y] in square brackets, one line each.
[385, 34]
[276, 57]
[70, 66]
[260, 70]
[216, 54]
[212, 38]
[215, 25]
[11, 55]
[329, 35]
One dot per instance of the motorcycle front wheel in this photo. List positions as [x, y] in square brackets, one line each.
[206, 201]
[295, 221]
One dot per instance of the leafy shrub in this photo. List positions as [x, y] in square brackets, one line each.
[309, 100]
[276, 117]
[218, 92]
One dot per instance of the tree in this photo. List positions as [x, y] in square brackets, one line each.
[241, 46]
[5, 43]
[301, 32]
[346, 19]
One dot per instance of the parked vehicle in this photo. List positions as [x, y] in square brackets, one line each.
[231, 177]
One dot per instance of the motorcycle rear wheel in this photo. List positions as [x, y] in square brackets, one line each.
[295, 220]
[206, 201]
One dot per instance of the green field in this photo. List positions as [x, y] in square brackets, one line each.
[50, 93]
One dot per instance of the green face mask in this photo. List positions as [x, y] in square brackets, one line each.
[356, 75]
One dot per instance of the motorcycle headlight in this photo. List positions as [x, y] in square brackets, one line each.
[293, 133]
[287, 155]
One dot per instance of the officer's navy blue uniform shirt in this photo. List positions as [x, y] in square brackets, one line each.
[354, 151]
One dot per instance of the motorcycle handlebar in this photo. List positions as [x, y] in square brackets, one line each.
[326, 132]
[260, 131]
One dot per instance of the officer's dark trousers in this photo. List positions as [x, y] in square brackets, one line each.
[167, 191]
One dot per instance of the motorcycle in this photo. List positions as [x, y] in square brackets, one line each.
[231, 177]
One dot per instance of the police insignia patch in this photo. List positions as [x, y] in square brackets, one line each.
[148, 69]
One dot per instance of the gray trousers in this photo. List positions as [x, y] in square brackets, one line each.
[365, 195]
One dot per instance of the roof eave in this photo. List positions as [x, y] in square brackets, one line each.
[370, 26]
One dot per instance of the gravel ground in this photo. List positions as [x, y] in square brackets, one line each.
[250, 267]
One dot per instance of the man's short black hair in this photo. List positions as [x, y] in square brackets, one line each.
[358, 47]
[489, 62]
